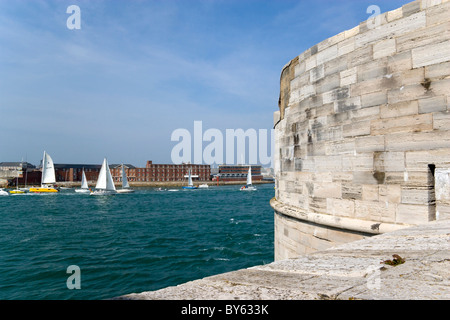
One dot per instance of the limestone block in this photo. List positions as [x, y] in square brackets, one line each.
[366, 113]
[328, 163]
[341, 207]
[417, 195]
[411, 8]
[360, 56]
[351, 191]
[348, 76]
[358, 162]
[327, 190]
[318, 205]
[438, 14]
[407, 178]
[437, 70]
[374, 99]
[397, 27]
[336, 94]
[347, 104]
[434, 104]
[414, 123]
[310, 63]
[346, 46]
[419, 160]
[409, 77]
[442, 185]
[390, 193]
[355, 129]
[406, 93]
[327, 54]
[375, 211]
[422, 37]
[368, 177]
[351, 32]
[373, 69]
[412, 214]
[317, 73]
[442, 211]
[384, 48]
[328, 83]
[389, 161]
[335, 66]
[431, 54]
[429, 3]
[372, 85]
[394, 14]
[400, 62]
[417, 141]
[439, 87]
[370, 192]
[340, 147]
[399, 109]
[441, 120]
[369, 144]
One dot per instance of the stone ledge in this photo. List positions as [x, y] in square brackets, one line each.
[352, 224]
[350, 271]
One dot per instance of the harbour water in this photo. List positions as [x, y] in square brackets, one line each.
[129, 243]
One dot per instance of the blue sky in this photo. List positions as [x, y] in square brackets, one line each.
[137, 70]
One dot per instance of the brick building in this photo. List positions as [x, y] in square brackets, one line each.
[162, 172]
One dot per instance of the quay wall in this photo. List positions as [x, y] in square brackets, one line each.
[362, 134]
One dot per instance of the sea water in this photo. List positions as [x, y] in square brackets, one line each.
[129, 243]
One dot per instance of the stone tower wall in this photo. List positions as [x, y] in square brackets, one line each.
[363, 132]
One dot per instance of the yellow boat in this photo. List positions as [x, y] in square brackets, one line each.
[48, 176]
[43, 190]
[16, 191]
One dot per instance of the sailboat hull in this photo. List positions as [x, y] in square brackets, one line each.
[189, 187]
[103, 193]
[82, 191]
[125, 190]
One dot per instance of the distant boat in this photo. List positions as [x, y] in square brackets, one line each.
[190, 183]
[48, 176]
[203, 186]
[3, 192]
[84, 185]
[125, 186]
[105, 184]
[249, 186]
[17, 190]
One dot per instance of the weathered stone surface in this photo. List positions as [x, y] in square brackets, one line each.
[347, 271]
[368, 118]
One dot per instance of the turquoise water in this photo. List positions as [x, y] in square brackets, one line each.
[129, 242]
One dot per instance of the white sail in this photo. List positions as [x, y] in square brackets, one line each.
[190, 184]
[84, 184]
[249, 176]
[48, 170]
[124, 178]
[105, 180]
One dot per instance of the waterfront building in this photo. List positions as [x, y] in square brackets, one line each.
[238, 173]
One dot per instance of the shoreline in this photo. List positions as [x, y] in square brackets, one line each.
[156, 183]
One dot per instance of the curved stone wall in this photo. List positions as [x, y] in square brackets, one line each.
[362, 137]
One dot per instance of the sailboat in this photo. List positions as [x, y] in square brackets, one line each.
[248, 186]
[3, 192]
[17, 190]
[105, 184]
[48, 176]
[190, 183]
[84, 185]
[125, 186]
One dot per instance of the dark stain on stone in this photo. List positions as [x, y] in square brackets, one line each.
[426, 84]
[379, 176]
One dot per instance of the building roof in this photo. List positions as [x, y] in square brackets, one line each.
[77, 166]
[17, 164]
[129, 166]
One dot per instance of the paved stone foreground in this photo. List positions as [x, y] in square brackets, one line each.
[350, 271]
